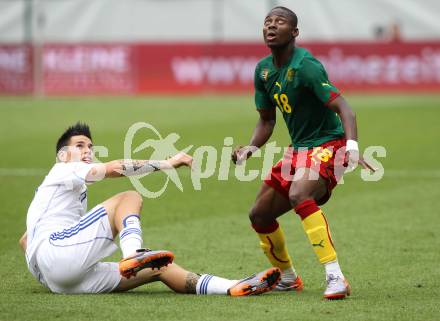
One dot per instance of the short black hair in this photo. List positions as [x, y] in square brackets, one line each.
[292, 15]
[75, 130]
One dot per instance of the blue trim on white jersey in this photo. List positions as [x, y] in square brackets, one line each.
[83, 224]
[80, 243]
[80, 226]
[84, 220]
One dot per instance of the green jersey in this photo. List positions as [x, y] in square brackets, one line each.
[300, 90]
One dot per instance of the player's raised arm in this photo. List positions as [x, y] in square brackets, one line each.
[262, 132]
[266, 123]
[131, 167]
[264, 128]
[348, 117]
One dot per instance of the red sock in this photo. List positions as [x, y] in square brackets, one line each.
[306, 208]
[266, 229]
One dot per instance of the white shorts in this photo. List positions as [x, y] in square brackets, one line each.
[68, 261]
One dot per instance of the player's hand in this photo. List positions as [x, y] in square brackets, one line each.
[242, 153]
[353, 158]
[180, 159]
[234, 155]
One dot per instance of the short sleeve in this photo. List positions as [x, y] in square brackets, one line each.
[314, 77]
[80, 170]
[262, 99]
[72, 174]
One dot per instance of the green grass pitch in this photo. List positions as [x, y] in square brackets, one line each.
[386, 232]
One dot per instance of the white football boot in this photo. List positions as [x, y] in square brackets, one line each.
[337, 288]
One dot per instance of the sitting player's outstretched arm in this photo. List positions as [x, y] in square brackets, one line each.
[131, 167]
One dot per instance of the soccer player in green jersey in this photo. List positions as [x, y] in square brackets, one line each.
[323, 132]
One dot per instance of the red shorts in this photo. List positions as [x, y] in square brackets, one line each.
[327, 160]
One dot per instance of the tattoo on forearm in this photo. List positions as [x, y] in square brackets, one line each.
[131, 167]
[191, 282]
[155, 165]
[137, 165]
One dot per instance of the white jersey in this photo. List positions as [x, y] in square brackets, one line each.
[59, 202]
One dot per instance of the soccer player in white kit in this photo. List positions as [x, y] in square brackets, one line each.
[64, 243]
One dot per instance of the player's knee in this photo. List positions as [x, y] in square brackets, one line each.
[133, 197]
[297, 197]
[256, 216]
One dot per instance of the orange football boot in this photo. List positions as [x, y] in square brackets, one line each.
[142, 259]
[296, 285]
[256, 284]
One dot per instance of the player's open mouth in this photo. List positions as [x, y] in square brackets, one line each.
[87, 160]
[271, 36]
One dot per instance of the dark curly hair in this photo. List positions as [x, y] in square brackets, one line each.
[75, 130]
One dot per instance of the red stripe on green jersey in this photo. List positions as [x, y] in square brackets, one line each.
[300, 90]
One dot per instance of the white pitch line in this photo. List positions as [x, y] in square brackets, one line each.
[20, 172]
[415, 173]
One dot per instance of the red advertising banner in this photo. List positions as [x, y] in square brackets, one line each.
[363, 66]
[16, 69]
[88, 69]
[192, 68]
[381, 66]
[77, 69]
